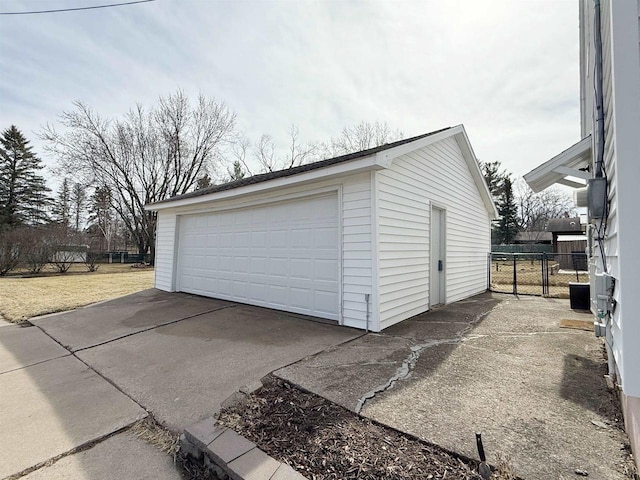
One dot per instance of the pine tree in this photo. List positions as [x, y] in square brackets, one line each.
[237, 172]
[508, 209]
[24, 195]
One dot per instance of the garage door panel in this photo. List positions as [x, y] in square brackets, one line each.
[283, 256]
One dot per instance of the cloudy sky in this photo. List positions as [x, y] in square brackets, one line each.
[507, 70]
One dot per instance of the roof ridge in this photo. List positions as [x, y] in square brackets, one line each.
[286, 172]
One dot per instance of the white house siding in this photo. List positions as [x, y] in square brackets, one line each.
[611, 244]
[165, 249]
[356, 238]
[437, 174]
[621, 91]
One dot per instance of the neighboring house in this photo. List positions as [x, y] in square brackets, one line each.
[70, 254]
[567, 239]
[533, 237]
[563, 226]
[367, 239]
[608, 156]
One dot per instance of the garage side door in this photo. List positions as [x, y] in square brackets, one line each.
[280, 255]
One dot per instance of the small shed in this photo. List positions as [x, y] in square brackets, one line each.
[367, 239]
[569, 242]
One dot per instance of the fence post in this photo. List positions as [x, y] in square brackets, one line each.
[515, 277]
[544, 287]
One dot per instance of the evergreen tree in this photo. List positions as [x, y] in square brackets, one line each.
[494, 176]
[237, 172]
[508, 209]
[203, 182]
[23, 193]
[62, 206]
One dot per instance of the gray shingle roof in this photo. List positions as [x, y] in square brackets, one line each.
[263, 177]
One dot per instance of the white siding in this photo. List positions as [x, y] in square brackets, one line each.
[356, 242]
[437, 174]
[611, 243]
[165, 243]
[357, 269]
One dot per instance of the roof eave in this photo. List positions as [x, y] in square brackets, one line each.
[565, 164]
[371, 162]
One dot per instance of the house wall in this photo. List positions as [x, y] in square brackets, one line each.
[621, 89]
[433, 175]
[356, 243]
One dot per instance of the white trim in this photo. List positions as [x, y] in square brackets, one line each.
[570, 183]
[572, 172]
[341, 169]
[474, 167]
[212, 207]
[385, 157]
[174, 266]
[553, 170]
[340, 214]
[375, 255]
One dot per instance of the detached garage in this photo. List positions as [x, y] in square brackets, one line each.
[367, 239]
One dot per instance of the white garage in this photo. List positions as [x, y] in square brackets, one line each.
[282, 255]
[367, 239]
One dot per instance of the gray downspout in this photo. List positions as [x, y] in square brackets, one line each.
[599, 94]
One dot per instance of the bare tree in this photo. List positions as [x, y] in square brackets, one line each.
[145, 157]
[10, 250]
[37, 247]
[78, 205]
[239, 150]
[361, 136]
[265, 153]
[535, 209]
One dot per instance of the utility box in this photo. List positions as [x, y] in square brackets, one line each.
[579, 296]
[597, 198]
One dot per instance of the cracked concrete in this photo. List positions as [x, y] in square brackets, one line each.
[354, 373]
[494, 363]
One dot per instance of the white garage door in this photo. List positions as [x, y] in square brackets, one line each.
[279, 255]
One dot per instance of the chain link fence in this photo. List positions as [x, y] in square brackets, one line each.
[544, 274]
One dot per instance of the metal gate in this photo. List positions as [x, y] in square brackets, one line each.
[543, 274]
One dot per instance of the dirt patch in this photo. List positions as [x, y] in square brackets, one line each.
[324, 441]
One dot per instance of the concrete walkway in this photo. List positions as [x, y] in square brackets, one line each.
[493, 363]
[72, 385]
[53, 403]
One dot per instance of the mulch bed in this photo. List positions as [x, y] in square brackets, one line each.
[325, 441]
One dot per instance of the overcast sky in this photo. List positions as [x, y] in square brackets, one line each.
[508, 70]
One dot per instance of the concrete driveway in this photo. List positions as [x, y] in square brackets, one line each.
[493, 363]
[76, 380]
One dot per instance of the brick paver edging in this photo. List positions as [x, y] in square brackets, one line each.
[231, 455]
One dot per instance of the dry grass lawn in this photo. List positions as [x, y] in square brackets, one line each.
[23, 298]
[529, 277]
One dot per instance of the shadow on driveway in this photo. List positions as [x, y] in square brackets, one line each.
[81, 377]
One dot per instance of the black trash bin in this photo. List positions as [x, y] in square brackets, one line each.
[579, 296]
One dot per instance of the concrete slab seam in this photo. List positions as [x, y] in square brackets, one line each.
[104, 377]
[147, 329]
[37, 363]
[80, 448]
